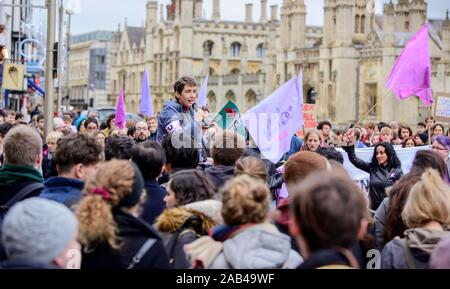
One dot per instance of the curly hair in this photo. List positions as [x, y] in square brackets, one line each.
[245, 200]
[95, 217]
[118, 147]
[190, 186]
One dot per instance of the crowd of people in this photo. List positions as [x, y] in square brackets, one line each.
[92, 195]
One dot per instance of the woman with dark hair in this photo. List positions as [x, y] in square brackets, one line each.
[388, 223]
[437, 130]
[408, 142]
[405, 132]
[110, 124]
[385, 169]
[191, 212]
[91, 125]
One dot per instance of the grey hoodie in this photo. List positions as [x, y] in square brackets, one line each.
[258, 247]
[421, 243]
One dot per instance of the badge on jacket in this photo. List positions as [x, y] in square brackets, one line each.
[174, 126]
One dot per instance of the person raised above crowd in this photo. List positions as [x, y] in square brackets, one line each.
[179, 114]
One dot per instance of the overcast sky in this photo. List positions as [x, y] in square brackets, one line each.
[107, 14]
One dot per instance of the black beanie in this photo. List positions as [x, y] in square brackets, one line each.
[138, 187]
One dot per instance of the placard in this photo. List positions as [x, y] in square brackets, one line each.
[442, 107]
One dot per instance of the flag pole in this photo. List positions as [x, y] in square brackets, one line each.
[370, 110]
[430, 112]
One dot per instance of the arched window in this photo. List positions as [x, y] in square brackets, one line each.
[208, 46]
[161, 40]
[363, 23]
[250, 99]
[212, 72]
[235, 71]
[235, 49]
[260, 51]
[230, 96]
[357, 23]
[212, 102]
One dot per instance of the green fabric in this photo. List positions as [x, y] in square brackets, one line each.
[10, 174]
[229, 118]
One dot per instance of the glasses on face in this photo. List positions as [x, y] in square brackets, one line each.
[438, 148]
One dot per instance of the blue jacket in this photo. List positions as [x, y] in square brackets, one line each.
[172, 118]
[62, 190]
[154, 205]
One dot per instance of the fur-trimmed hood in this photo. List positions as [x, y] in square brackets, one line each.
[174, 219]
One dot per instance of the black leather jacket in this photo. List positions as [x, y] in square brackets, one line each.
[380, 177]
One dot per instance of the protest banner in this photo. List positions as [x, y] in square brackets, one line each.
[442, 107]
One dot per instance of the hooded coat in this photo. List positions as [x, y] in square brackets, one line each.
[259, 246]
[183, 225]
[420, 242]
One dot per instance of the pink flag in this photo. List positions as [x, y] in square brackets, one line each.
[411, 74]
[121, 118]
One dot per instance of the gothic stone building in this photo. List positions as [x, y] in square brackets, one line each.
[345, 63]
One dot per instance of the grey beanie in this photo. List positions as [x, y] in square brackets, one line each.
[38, 230]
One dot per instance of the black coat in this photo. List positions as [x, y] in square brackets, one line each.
[327, 257]
[154, 205]
[26, 265]
[133, 234]
[219, 175]
[48, 167]
[7, 192]
[380, 177]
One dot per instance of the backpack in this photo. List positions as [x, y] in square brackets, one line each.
[19, 196]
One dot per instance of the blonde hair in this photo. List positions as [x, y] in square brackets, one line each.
[96, 222]
[54, 136]
[428, 200]
[245, 200]
[252, 167]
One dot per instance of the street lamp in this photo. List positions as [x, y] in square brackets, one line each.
[69, 12]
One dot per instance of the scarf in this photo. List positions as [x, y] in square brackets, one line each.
[10, 174]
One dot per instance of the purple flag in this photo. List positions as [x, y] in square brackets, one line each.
[146, 97]
[202, 100]
[274, 121]
[411, 74]
[121, 118]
